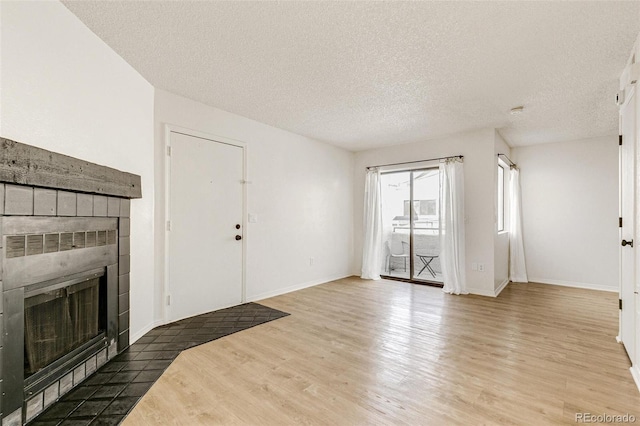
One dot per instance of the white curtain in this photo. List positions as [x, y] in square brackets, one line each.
[452, 226]
[517, 267]
[372, 245]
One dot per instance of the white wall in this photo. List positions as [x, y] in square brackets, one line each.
[501, 241]
[479, 161]
[64, 90]
[301, 190]
[570, 212]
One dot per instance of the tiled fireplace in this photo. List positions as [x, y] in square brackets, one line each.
[64, 274]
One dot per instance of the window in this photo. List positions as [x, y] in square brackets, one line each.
[500, 198]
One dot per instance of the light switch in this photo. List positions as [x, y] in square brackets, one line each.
[253, 218]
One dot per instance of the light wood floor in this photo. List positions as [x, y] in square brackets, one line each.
[359, 352]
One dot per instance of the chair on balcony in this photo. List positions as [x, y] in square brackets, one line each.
[395, 251]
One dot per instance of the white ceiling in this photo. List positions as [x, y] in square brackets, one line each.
[368, 74]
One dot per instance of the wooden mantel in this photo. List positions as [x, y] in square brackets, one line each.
[27, 165]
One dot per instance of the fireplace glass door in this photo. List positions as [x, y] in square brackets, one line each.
[58, 321]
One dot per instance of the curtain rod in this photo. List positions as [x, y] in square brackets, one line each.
[417, 161]
[511, 163]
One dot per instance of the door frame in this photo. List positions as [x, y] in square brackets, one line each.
[171, 128]
[630, 101]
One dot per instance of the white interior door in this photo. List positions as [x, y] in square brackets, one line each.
[627, 232]
[205, 225]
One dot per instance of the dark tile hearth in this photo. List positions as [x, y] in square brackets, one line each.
[109, 394]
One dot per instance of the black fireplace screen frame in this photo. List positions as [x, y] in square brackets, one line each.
[62, 318]
[43, 377]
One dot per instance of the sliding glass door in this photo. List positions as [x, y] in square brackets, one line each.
[411, 236]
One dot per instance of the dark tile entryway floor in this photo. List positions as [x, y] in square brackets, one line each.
[109, 394]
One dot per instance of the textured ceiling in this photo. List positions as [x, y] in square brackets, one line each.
[368, 74]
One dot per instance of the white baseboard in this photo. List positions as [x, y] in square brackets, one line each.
[482, 292]
[635, 373]
[134, 337]
[574, 284]
[489, 292]
[212, 309]
[502, 287]
[295, 287]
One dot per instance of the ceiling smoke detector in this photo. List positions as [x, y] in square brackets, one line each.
[517, 110]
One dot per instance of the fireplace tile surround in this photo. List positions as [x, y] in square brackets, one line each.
[22, 200]
[58, 201]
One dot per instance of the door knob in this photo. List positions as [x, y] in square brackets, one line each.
[238, 237]
[627, 243]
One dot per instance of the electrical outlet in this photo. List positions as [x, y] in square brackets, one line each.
[474, 266]
[480, 267]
